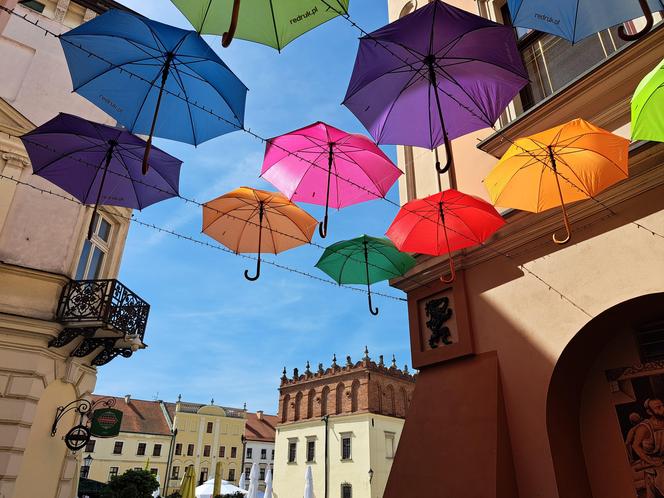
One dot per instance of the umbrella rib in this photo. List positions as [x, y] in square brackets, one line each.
[63, 156]
[652, 94]
[408, 84]
[594, 152]
[274, 25]
[306, 171]
[349, 158]
[269, 227]
[92, 182]
[113, 67]
[376, 248]
[124, 148]
[131, 180]
[180, 82]
[449, 77]
[465, 60]
[461, 220]
[145, 98]
[397, 70]
[223, 97]
[246, 222]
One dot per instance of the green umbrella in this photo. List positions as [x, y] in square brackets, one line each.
[364, 260]
[275, 23]
[648, 107]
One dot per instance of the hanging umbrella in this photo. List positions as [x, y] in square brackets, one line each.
[568, 163]
[434, 75]
[302, 164]
[364, 260]
[442, 223]
[188, 486]
[239, 218]
[100, 164]
[648, 107]
[308, 483]
[272, 23]
[574, 20]
[253, 481]
[268, 484]
[243, 479]
[142, 68]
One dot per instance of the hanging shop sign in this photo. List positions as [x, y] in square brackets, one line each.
[106, 422]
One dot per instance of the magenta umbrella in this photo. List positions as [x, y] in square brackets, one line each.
[323, 165]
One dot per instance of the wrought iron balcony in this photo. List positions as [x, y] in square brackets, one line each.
[105, 313]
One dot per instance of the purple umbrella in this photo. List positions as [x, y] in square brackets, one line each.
[473, 64]
[100, 164]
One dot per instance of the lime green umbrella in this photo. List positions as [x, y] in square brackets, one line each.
[648, 107]
[364, 260]
[275, 23]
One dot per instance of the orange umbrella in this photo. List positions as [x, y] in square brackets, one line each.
[249, 220]
[568, 163]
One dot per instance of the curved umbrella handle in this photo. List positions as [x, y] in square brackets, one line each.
[322, 227]
[452, 276]
[261, 211]
[448, 147]
[567, 238]
[448, 153]
[622, 32]
[568, 231]
[258, 272]
[227, 37]
[373, 311]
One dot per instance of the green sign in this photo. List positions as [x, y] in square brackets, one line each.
[106, 422]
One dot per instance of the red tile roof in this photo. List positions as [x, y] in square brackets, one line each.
[140, 415]
[260, 430]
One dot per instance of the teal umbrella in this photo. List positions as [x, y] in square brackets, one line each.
[648, 106]
[364, 260]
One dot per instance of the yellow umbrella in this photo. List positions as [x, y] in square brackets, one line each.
[248, 220]
[568, 163]
[217, 480]
[188, 486]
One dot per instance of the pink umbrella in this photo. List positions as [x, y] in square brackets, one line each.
[302, 164]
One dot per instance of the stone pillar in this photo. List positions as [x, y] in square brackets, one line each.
[61, 10]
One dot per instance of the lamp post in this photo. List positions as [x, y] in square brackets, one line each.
[87, 462]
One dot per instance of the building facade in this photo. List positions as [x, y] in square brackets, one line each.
[555, 350]
[259, 434]
[345, 422]
[48, 350]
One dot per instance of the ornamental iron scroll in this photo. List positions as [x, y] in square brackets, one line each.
[439, 313]
[79, 435]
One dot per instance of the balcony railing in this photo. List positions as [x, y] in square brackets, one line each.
[106, 314]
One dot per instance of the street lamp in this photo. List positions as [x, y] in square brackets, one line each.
[87, 461]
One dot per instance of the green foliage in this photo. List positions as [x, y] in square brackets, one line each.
[132, 484]
[232, 495]
[175, 494]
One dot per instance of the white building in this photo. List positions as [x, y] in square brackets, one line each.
[259, 447]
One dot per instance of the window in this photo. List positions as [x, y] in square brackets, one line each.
[153, 471]
[346, 490]
[112, 472]
[156, 451]
[292, 451]
[190, 450]
[233, 452]
[231, 474]
[345, 447]
[175, 472]
[272, 455]
[204, 474]
[178, 448]
[263, 454]
[261, 474]
[94, 250]
[250, 452]
[85, 470]
[311, 450]
[389, 444]
[141, 449]
[222, 451]
[90, 446]
[247, 471]
[210, 425]
[34, 5]
[117, 448]
[206, 450]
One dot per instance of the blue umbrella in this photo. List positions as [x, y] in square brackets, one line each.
[133, 68]
[576, 19]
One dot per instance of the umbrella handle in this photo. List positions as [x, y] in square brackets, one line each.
[568, 234]
[227, 37]
[622, 32]
[260, 234]
[148, 144]
[567, 238]
[322, 227]
[448, 153]
[258, 272]
[109, 156]
[452, 273]
[448, 146]
[372, 310]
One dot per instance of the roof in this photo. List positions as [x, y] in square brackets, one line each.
[260, 430]
[139, 415]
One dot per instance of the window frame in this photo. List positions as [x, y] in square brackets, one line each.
[210, 427]
[231, 475]
[311, 448]
[389, 439]
[263, 453]
[175, 472]
[191, 450]
[346, 486]
[143, 447]
[113, 472]
[90, 446]
[178, 449]
[233, 451]
[96, 242]
[346, 436]
[115, 447]
[222, 451]
[291, 455]
[206, 450]
[156, 450]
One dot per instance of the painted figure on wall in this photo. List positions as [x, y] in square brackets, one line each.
[648, 445]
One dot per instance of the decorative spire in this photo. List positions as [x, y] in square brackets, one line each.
[349, 362]
[179, 397]
[405, 369]
[381, 362]
[284, 377]
[245, 406]
[321, 371]
[296, 373]
[308, 370]
[366, 354]
[212, 401]
[334, 360]
[394, 362]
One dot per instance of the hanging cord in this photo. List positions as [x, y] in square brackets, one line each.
[181, 236]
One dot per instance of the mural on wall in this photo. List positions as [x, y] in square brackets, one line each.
[638, 395]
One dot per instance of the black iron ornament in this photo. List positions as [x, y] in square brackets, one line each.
[79, 435]
[439, 312]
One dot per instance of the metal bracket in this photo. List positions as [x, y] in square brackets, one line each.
[69, 334]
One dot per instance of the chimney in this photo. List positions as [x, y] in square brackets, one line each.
[259, 414]
[127, 398]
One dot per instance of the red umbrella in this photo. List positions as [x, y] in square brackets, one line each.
[442, 223]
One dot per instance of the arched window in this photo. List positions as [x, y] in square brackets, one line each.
[404, 400]
[389, 400]
[298, 405]
[310, 403]
[284, 408]
[340, 398]
[379, 394]
[324, 396]
[354, 393]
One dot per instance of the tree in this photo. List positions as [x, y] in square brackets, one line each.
[132, 484]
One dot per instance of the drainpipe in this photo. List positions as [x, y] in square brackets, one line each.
[169, 461]
[326, 419]
[244, 453]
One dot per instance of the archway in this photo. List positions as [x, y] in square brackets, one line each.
[589, 455]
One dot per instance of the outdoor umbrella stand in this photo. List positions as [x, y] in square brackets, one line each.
[322, 226]
[373, 311]
[227, 37]
[261, 212]
[622, 33]
[107, 160]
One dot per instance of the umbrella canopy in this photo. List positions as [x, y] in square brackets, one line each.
[270, 23]
[216, 489]
[308, 483]
[574, 20]
[208, 489]
[100, 164]
[142, 68]
[434, 75]
[243, 481]
[253, 482]
[239, 218]
[442, 223]
[364, 260]
[648, 106]
[302, 163]
[188, 486]
[564, 164]
[268, 484]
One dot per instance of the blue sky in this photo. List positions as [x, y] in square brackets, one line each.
[211, 333]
